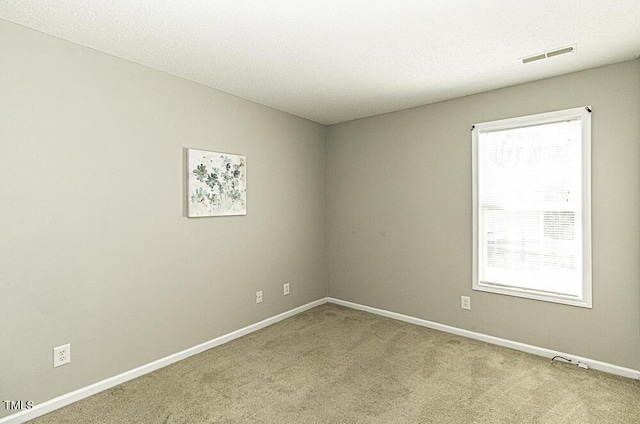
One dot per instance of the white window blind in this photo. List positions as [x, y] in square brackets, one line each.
[530, 197]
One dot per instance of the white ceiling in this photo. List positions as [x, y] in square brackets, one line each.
[336, 60]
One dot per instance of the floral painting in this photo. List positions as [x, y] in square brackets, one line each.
[217, 184]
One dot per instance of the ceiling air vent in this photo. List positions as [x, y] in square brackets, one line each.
[551, 53]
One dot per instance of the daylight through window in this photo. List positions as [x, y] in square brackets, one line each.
[531, 192]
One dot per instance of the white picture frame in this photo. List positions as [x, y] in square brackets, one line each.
[216, 184]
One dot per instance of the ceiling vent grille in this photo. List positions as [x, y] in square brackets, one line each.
[551, 53]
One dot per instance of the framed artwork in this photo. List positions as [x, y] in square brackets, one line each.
[216, 184]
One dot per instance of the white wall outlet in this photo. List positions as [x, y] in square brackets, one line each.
[286, 288]
[465, 302]
[61, 355]
[259, 296]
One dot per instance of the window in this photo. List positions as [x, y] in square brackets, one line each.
[531, 206]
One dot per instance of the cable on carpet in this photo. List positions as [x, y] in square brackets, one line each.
[580, 364]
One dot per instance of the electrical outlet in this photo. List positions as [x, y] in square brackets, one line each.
[61, 355]
[286, 289]
[259, 296]
[465, 302]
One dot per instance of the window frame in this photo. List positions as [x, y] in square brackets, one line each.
[584, 114]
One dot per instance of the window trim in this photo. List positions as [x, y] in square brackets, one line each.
[584, 113]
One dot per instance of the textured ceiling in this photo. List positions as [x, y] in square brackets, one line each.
[336, 60]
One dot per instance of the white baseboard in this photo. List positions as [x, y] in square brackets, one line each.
[535, 350]
[66, 399]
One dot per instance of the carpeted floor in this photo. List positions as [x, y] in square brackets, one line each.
[338, 365]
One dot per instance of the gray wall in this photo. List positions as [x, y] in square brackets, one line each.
[399, 215]
[94, 248]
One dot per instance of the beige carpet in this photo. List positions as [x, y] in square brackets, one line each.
[337, 365]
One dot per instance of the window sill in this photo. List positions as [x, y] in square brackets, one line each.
[534, 295]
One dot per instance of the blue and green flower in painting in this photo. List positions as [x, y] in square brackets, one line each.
[199, 196]
[235, 195]
[200, 172]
